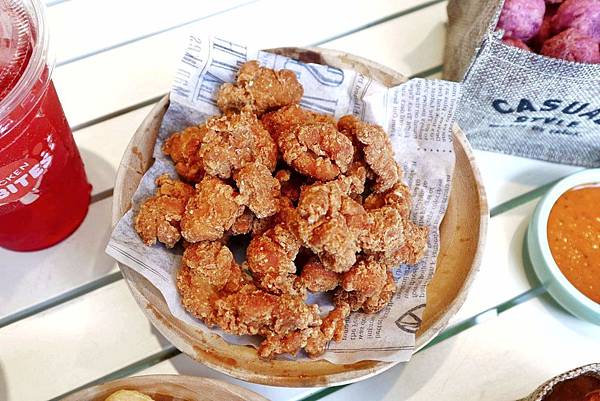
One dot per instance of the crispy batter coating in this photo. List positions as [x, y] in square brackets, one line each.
[243, 224]
[197, 295]
[357, 174]
[284, 344]
[366, 277]
[334, 207]
[284, 320]
[321, 199]
[332, 328]
[184, 149]
[330, 223]
[398, 197]
[270, 257]
[357, 300]
[377, 150]
[317, 278]
[385, 230]
[290, 183]
[159, 215]
[378, 301]
[234, 140]
[259, 188]
[317, 150]
[211, 211]
[413, 248]
[285, 118]
[214, 261]
[260, 89]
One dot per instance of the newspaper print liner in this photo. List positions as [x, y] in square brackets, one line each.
[519, 102]
[418, 115]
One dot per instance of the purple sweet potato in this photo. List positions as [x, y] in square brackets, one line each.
[522, 19]
[516, 43]
[572, 45]
[583, 15]
[546, 30]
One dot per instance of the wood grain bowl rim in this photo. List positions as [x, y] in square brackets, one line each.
[363, 369]
[181, 387]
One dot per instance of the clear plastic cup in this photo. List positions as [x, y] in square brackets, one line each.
[44, 192]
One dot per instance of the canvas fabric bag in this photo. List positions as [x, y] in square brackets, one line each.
[518, 102]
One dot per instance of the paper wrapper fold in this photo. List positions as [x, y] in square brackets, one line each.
[418, 115]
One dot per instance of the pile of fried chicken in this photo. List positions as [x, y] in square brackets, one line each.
[321, 201]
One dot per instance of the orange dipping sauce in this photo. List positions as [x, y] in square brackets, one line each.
[574, 238]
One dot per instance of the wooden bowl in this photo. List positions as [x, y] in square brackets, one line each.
[170, 388]
[546, 388]
[462, 238]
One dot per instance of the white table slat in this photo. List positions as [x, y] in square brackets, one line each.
[91, 336]
[184, 365]
[82, 27]
[102, 146]
[73, 344]
[502, 359]
[501, 278]
[398, 45]
[32, 277]
[507, 176]
[144, 69]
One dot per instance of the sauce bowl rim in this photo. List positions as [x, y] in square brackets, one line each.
[560, 288]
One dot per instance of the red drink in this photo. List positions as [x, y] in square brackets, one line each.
[44, 193]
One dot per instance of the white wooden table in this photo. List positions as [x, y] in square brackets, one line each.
[67, 319]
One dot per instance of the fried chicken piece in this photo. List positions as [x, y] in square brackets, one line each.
[234, 140]
[260, 226]
[283, 119]
[208, 272]
[317, 278]
[377, 150]
[244, 223]
[270, 257]
[183, 147]
[317, 150]
[211, 210]
[357, 300]
[259, 88]
[284, 320]
[332, 328]
[357, 174]
[294, 322]
[321, 199]
[248, 311]
[214, 261]
[353, 299]
[377, 302]
[330, 223]
[385, 230]
[413, 248]
[290, 183]
[287, 344]
[286, 215]
[198, 297]
[366, 277]
[398, 197]
[159, 215]
[259, 188]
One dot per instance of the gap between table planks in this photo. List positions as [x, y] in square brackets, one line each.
[132, 131]
[103, 156]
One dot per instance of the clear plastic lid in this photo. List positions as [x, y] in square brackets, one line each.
[15, 44]
[24, 61]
